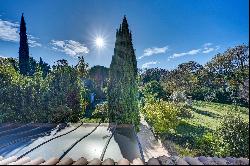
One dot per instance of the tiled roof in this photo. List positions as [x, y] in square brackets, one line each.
[163, 160]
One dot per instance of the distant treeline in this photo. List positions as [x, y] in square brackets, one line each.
[224, 79]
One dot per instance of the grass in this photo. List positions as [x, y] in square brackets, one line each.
[206, 116]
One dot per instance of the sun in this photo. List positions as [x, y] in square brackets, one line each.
[99, 42]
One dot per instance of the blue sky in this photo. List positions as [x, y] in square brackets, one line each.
[165, 32]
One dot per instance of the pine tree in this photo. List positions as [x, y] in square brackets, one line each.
[122, 88]
[23, 49]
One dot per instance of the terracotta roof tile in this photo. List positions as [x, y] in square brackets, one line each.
[123, 162]
[207, 160]
[220, 161]
[108, 162]
[95, 161]
[163, 160]
[36, 161]
[81, 161]
[137, 161]
[51, 161]
[179, 161]
[66, 161]
[153, 161]
[193, 161]
[8, 160]
[21, 161]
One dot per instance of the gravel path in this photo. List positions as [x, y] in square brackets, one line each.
[150, 146]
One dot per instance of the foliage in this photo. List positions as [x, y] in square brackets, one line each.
[99, 75]
[230, 139]
[235, 133]
[153, 74]
[210, 144]
[122, 87]
[101, 111]
[154, 88]
[222, 79]
[185, 111]
[45, 68]
[196, 135]
[24, 65]
[58, 97]
[226, 72]
[184, 78]
[65, 89]
[161, 115]
[82, 67]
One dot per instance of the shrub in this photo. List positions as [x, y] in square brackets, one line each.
[101, 111]
[154, 88]
[58, 97]
[235, 133]
[231, 139]
[210, 144]
[185, 111]
[161, 115]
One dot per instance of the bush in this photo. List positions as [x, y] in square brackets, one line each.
[210, 145]
[161, 115]
[154, 88]
[235, 133]
[59, 97]
[101, 111]
[231, 139]
[185, 111]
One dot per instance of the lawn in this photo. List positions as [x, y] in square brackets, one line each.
[206, 116]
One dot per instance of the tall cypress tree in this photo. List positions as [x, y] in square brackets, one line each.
[122, 88]
[23, 49]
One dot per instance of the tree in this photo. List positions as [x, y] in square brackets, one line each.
[65, 93]
[153, 74]
[99, 76]
[155, 89]
[44, 67]
[81, 67]
[32, 66]
[23, 49]
[184, 78]
[122, 88]
[227, 72]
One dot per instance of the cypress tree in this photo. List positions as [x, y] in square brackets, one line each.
[23, 49]
[122, 88]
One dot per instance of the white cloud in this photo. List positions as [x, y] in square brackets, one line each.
[33, 41]
[191, 52]
[207, 50]
[153, 50]
[208, 47]
[147, 65]
[9, 32]
[69, 47]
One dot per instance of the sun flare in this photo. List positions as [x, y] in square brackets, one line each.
[99, 41]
